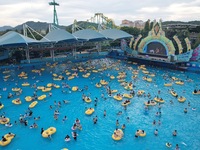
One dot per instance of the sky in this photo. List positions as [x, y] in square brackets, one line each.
[15, 12]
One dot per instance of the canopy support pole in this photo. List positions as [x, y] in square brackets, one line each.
[28, 55]
[74, 52]
[52, 54]
[98, 46]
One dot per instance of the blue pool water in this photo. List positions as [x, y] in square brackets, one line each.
[99, 136]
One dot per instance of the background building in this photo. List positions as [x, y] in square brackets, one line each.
[138, 24]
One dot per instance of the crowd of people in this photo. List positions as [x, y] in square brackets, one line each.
[105, 94]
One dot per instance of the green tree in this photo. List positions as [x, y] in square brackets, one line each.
[69, 29]
[146, 29]
[133, 31]
[151, 26]
[197, 42]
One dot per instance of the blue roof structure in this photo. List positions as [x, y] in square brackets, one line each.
[59, 35]
[89, 35]
[13, 38]
[115, 34]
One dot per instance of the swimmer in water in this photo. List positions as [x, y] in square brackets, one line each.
[119, 113]
[168, 144]
[67, 138]
[194, 108]
[65, 101]
[174, 133]
[104, 113]
[156, 132]
[177, 147]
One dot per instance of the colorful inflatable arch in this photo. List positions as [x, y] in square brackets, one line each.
[156, 42]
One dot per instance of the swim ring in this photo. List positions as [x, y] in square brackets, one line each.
[181, 99]
[48, 132]
[179, 82]
[28, 98]
[46, 89]
[74, 88]
[127, 95]
[42, 97]
[16, 89]
[4, 122]
[117, 135]
[33, 104]
[87, 99]
[8, 138]
[98, 85]
[25, 84]
[89, 111]
[16, 101]
[159, 100]
[116, 97]
[1, 106]
[167, 84]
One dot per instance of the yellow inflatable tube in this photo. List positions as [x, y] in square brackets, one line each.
[16, 101]
[117, 135]
[150, 104]
[152, 75]
[112, 77]
[4, 122]
[49, 85]
[16, 89]
[87, 99]
[85, 76]
[114, 91]
[140, 92]
[1, 106]
[159, 100]
[48, 132]
[33, 104]
[149, 79]
[127, 95]
[125, 104]
[55, 75]
[142, 134]
[8, 138]
[70, 77]
[168, 84]
[58, 79]
[57, 86]
[181, 99]
[179, 82]
[121, 80]
[46, 89]
[98, 85]
[40, 87]
[25, 84]
[103, 82]
[89, 111]
[95, 71]
[74, 88]
[42, 97]
[198, 92]
[134, 76]
[128, 87]
[173, 93]
[28, 98]
[175, 78]
[119, 98]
